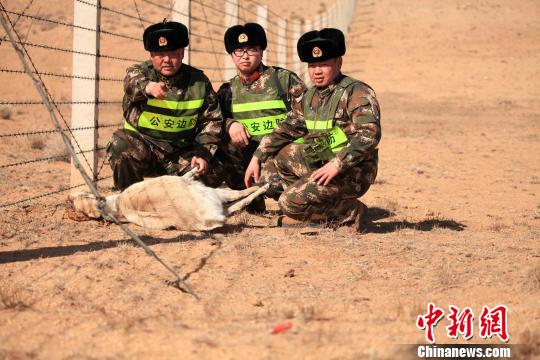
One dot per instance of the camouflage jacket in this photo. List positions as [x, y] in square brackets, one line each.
[209, 123]
[357, 114]
[295, 91]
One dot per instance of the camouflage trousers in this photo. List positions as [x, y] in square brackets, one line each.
[305, 200]
[132, 157]
[234, 161]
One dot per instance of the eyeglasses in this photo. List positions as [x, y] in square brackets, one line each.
[249, 50]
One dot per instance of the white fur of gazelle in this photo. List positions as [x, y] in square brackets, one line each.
[171, 202]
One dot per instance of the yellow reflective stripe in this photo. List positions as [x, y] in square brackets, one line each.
[319, 124]
[176, 105]
[128, 126]
[262, 125]
[337, 139]
[259, 105]
[166, 123]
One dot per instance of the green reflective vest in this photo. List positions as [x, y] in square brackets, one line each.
[322, 120]
[173, 118]
[261, 112]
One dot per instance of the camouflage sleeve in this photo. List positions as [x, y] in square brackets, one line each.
[297, 88]
[290, 129]
[364, 130]
[224, 95]
[209, 125]
[135, 82]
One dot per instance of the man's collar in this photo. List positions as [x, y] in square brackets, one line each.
[324, 92]
[248, 80]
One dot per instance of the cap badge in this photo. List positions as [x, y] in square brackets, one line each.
[242, 38]
[316, 52]
[162, 41]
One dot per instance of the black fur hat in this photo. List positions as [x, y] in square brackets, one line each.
[320, 45]
[250, 34]
[165, 36]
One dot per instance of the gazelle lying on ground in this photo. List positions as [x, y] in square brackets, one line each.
[179, 202]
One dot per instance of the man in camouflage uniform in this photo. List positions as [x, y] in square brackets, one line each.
[252, 103]
[172, 117]
[325, 152]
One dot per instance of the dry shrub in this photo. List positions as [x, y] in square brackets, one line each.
[55, 147]
[446, 276]
[37, 144]
[497, 227]
[390, 205]
[242, 219]
[6, 112]
[534, 277]
[529, 345]
[14, 298]
[307, 313]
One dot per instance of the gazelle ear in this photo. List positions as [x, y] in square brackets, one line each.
[240, 204]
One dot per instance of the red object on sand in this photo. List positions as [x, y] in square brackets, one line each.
[282, 327]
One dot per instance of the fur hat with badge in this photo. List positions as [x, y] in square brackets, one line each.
[165, 36]
[321, 45]
[250, 34]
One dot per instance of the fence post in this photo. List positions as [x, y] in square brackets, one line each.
[317, 22]
[332, 22]
[85, 93]
[182, 13]
[295, 36]
[282, 43]
[324, 22]
[231, 19]
[262, 17]
[308, 26]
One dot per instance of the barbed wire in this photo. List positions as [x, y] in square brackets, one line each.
[49, 158]
[26, 43]
[52, 131]
[18, 18]
[118, 12]
[39, 102]
[203, 5]
[142, 21]
[64, 189]
[139, 14]
[23, 52]
[58, 22]
[46, 73]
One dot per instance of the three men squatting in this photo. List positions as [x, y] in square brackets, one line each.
[317, 147]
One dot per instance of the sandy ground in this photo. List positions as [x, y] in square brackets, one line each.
[454, 213]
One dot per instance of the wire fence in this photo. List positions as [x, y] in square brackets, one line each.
[46, 30]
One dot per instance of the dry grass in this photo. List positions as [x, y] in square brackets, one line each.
[6, 112]
[37, 144]
[529, 345]
[497, 227]
[14, 298]
[533, 277]
[55, 147]
[446, 276]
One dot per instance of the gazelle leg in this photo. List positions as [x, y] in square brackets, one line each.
[228, 195]
[242, 203]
